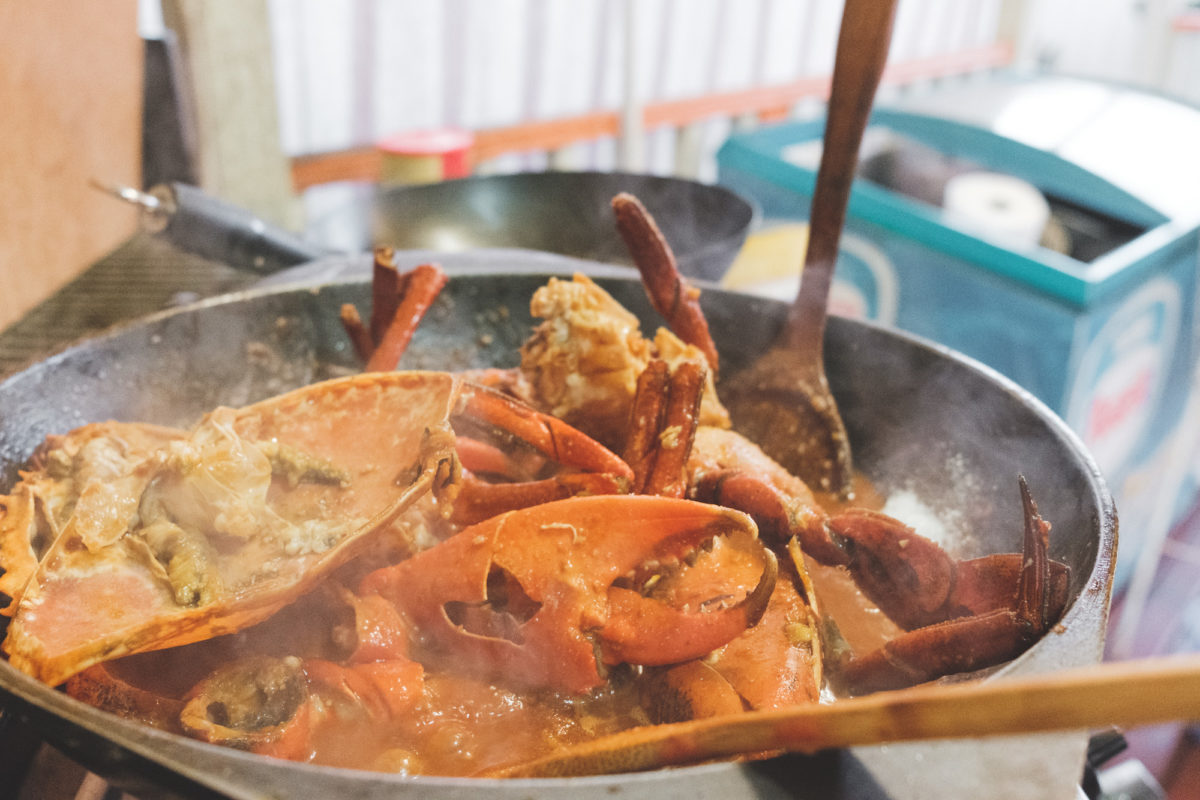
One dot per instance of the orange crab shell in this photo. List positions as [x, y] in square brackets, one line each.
[89, 602]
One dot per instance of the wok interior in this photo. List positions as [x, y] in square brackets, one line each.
[920, 418]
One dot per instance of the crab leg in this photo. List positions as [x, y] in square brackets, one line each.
[908, 576]
[912, 580]
[274, 706]
[730, 470]
[1034, 590]
[384, 688]
[681, 417]
[778, 662]
[664, 418]
[692, 690]
[98, 687]
[387, 287]
[421, 288]
[645, 424]
[260, 704]
[398, 304]
[548, 435]
[773, 664]
[778, 514]
[960, 614]
[360, 337]
[917, 584]
[669, 292]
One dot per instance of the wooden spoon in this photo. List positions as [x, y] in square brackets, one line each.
[783, 401]
[1124, 693]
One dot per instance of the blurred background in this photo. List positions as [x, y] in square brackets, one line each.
[1073, 122]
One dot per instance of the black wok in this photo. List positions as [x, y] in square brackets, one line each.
[919, 417]
[566, 213]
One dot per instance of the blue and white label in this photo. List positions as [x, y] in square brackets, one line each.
[866, 285]
[1122, 374]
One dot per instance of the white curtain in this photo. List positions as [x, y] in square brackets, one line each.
[350, 73]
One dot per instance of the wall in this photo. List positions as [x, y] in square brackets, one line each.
[70, 90]
[351, 73]
[1138, 42]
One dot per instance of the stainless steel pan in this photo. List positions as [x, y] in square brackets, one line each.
[919, 416]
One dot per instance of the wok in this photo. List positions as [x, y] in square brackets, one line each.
[566, 213]
[919, 416]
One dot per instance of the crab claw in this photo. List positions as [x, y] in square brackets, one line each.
[909, 577]
[528, 597]
[645, 630]
[975, 613]
[916, 583]
[530, 440]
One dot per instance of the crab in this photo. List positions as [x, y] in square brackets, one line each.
[217, 529]
[586, 517]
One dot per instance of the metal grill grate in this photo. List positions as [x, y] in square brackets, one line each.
[144, 275]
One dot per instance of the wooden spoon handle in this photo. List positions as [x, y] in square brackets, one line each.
[1118, 693]
[862, 51]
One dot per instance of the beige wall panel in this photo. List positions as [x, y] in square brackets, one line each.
[70, 110]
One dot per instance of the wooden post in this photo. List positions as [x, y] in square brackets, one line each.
[226, 47]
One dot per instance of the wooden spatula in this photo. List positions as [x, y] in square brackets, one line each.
[783, 401]
[1125, 694]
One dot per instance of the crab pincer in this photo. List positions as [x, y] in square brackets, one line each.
[960, 616]
[532, 597]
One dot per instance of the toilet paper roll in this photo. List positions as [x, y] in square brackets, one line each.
[1001, 207]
